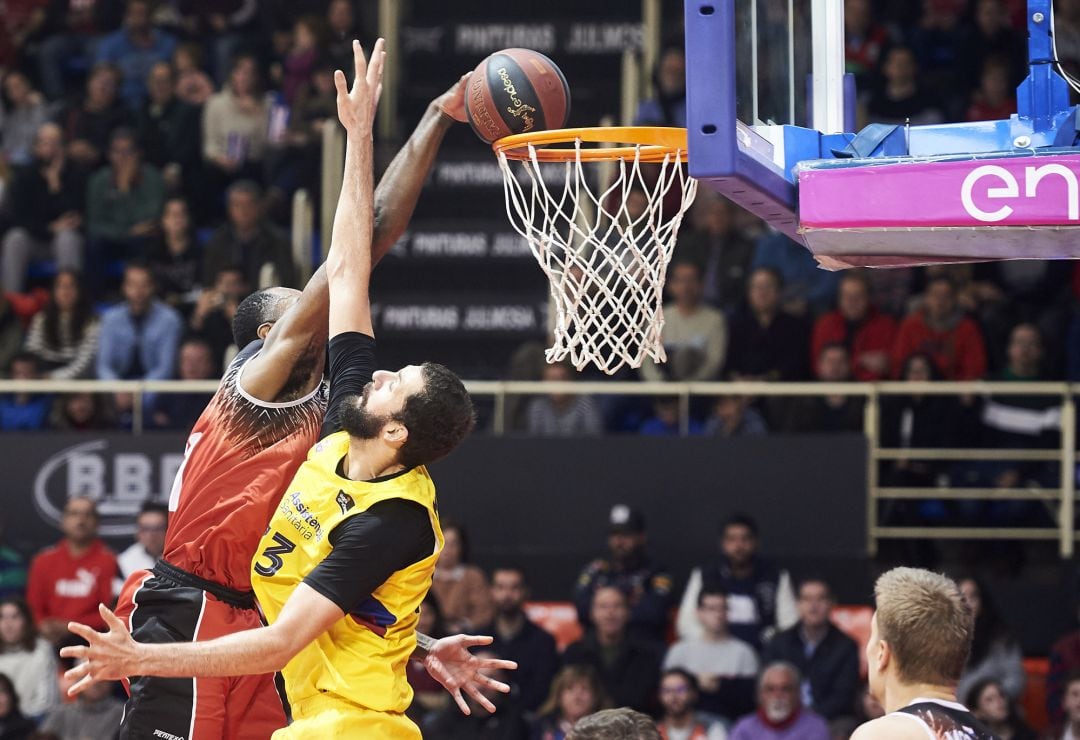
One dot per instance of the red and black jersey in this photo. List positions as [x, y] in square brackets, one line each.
[241, 454]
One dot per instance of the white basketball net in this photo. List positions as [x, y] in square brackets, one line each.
[606, 268]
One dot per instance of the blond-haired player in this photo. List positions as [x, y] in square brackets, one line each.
[919, 643]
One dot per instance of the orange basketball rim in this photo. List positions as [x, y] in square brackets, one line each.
[647, 144]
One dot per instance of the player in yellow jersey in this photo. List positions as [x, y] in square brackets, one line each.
[351, 549]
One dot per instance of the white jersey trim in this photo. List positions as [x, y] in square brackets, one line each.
[922, 700]
[950, 704]
[269, 404]
[922, 724]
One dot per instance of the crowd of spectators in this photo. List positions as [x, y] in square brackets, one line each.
[160, 181]
[146, 152]
[746, 653]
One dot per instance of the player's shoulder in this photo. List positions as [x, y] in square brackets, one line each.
[891, 727]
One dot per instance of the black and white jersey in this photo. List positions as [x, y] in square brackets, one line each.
[945, 720]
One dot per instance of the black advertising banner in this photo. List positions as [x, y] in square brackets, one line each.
[560, 40]
[535, 498]
[448, 240]
[119, 471]
[473, 316]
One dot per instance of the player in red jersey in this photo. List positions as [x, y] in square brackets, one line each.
[241, 453]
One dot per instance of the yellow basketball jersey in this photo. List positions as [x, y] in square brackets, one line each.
[362, 657]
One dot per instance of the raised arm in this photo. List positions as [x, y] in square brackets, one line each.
[302, 330]
[348, 266]
[401, 183]
[305, 325]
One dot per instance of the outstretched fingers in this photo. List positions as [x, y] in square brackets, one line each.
[359, 61]
[77, 652]
[113, 621]
[78, 672]
[87, 633]
[460, 701]
[496, 664]
[469, 641]
[482, 700]
[375, 66]
[82, 685]
[491, 683]
[341, 84]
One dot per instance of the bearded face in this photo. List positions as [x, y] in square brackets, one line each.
[358, 421]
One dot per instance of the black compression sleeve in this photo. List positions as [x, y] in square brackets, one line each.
[369, 548]
[352, 363]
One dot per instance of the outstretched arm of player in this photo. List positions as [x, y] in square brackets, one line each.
[401, 183]
[302, 331]
[113, 655]
[348, 266]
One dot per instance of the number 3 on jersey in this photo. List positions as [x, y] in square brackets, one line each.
[273, 553]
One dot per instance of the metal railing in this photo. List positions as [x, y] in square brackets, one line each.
[302, 234]
[500, 391]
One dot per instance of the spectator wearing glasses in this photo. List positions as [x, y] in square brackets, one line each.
[724, 666]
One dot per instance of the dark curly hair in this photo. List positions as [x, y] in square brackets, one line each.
[261, 307]
[438, 417]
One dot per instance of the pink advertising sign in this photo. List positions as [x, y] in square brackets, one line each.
[1004, 191]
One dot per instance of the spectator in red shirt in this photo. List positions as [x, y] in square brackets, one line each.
[68, 580]
[940, 329]
[858, 325]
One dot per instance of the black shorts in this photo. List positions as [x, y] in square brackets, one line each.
[163, 606]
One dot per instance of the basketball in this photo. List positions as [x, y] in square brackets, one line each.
[515, 91]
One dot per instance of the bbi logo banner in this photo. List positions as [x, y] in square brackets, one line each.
[119, 472]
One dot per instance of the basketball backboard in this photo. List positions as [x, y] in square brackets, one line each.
[758, 73]
[770, 124]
